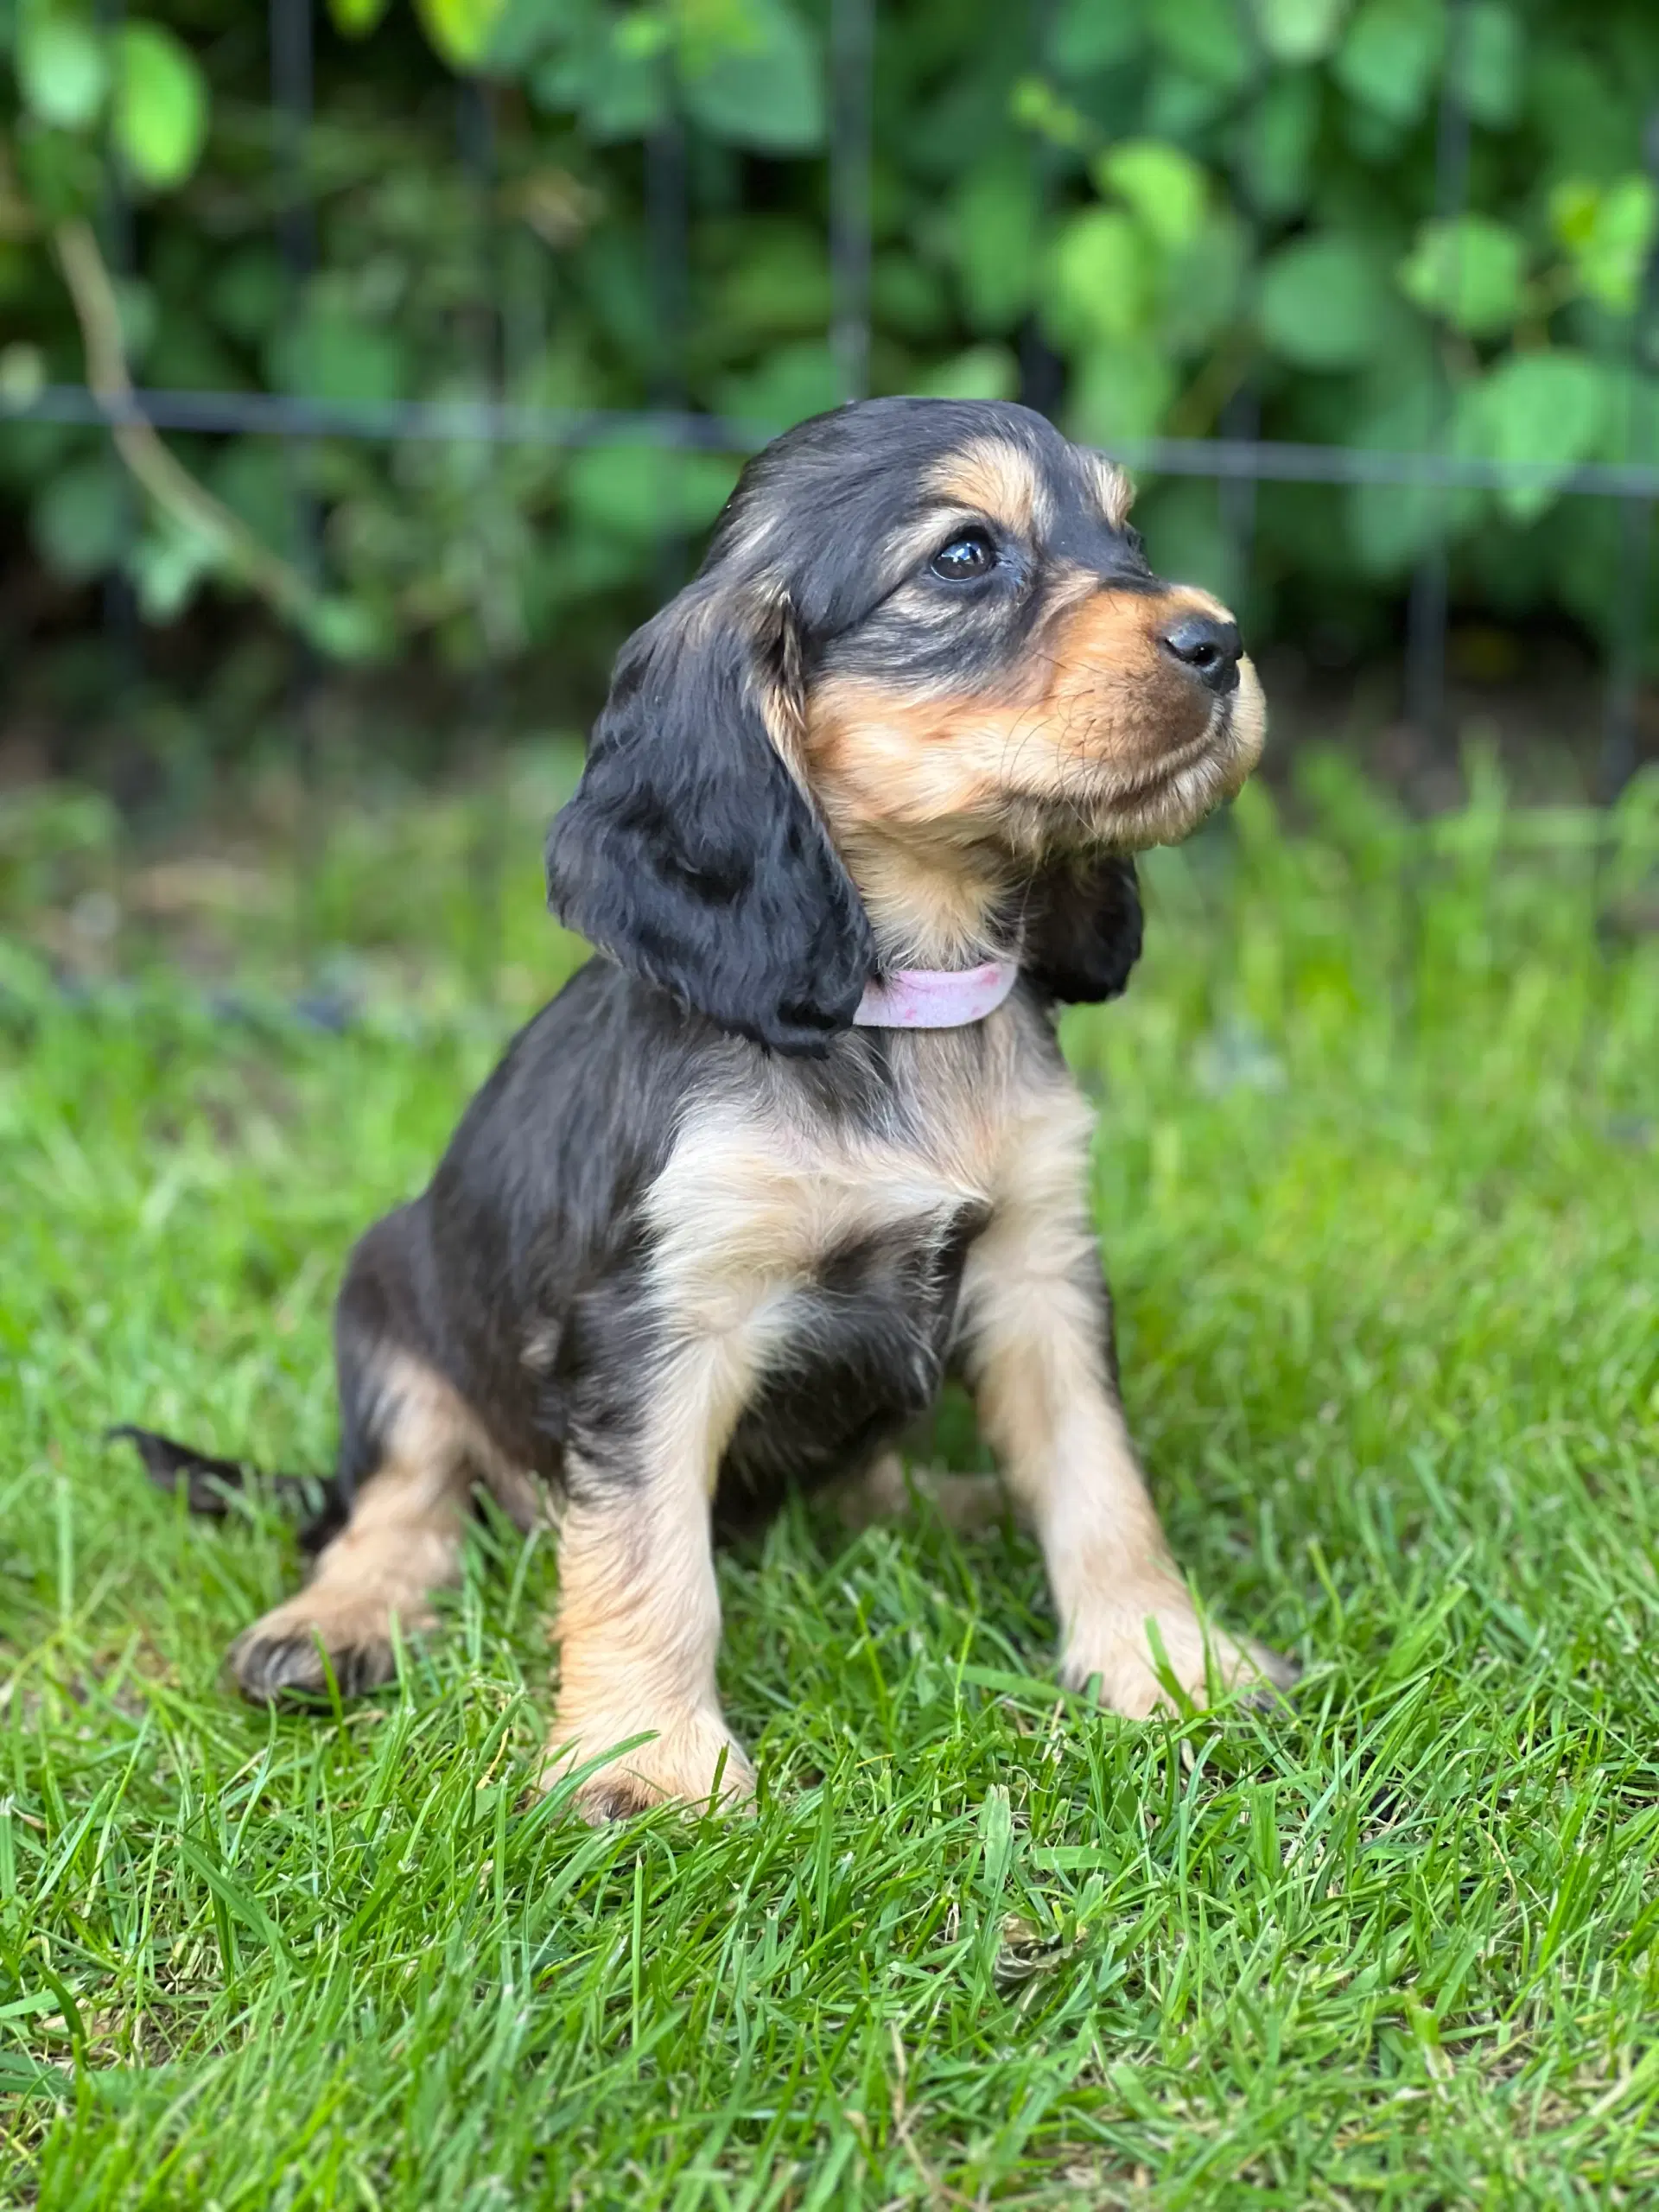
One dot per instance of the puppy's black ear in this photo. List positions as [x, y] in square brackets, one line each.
[1083, 928]
[690, 853]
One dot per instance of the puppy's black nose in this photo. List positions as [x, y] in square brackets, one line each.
[1210, 646]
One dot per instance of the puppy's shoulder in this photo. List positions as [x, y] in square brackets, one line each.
[581, 1111]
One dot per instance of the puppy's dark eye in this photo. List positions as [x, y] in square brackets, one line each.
[971, 555]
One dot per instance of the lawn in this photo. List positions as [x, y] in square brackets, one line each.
[1378, 1183]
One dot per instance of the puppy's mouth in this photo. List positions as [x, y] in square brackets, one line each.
[1150, 715]
[1229, 745]
[1151, 793]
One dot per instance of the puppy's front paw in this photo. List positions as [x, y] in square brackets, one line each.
[1116, 1648]
[280, 1659]
[691, 1759]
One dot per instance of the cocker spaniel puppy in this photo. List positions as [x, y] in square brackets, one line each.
[798, 1141]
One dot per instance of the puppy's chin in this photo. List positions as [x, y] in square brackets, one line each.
[1166, 800]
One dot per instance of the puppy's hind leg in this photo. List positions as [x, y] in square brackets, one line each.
[966, 1504]
[417, 1444]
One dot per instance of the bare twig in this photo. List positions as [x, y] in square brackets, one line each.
[168, 482]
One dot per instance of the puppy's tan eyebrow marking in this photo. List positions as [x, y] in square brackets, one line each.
[1110, 487]
[996, 478]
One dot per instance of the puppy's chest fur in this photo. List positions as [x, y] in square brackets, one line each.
[813, 1261]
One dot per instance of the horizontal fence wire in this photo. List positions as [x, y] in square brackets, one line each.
[1237, 459]
[1268, 461]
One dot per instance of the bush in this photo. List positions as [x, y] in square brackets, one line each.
[1173, 219]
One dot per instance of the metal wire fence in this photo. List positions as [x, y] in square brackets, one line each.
[485, 423]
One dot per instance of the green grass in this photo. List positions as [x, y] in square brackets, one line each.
[1378, 1182]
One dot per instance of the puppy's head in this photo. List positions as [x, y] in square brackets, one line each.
[925, 652]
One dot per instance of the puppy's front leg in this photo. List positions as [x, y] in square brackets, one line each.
[1037, 1329]
[639, 1623]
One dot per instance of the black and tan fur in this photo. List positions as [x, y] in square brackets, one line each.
[698, 1237]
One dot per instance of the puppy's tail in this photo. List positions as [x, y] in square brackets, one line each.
[209, 1483]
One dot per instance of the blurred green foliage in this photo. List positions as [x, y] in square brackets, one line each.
[1191, 207]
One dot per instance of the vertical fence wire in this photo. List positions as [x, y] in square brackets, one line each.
[852, 89]
[668, 225]
[1427, 606]
[491, 589]
[1618, 761]
[1235, 500]
[293, 97]
[123, 636]
[1241, 415]
[1618, 735]
[1042, 373]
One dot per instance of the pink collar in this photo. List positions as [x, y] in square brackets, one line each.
[937, 998]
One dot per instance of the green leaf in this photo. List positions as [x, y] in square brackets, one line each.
[791, 384]
[642, 492]
[1323, 304]
[1166, 189]
[22, 373]
[254, 478]
[1487, 61]
[1299, 30]
[460, 30]
[778, 286]
[331, 351]
[1181, 523]
[1100, 278]
[62, 173]
[1391, 525]
[1388, 61]
[762, 86]
[1609, 232]
[1275, 143]
[1469, 271]
[80, 518]
[61, 69]
[525, 29]
[1570, 102]
[994, 222]
[909, 297]
[1180, 107]
[168, 564]
[1573, 207]
[1089, 35]
[1200, 286]
[981, 372]
[1548, 407]
[1119, 391]
[357, 18]
[346, 630]
[1206, 38]
[1035, 105]
[249, 294]
[161, 105]
[618, 83]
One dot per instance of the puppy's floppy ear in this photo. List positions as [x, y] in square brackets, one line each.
[1083, 928]
[689, 851]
